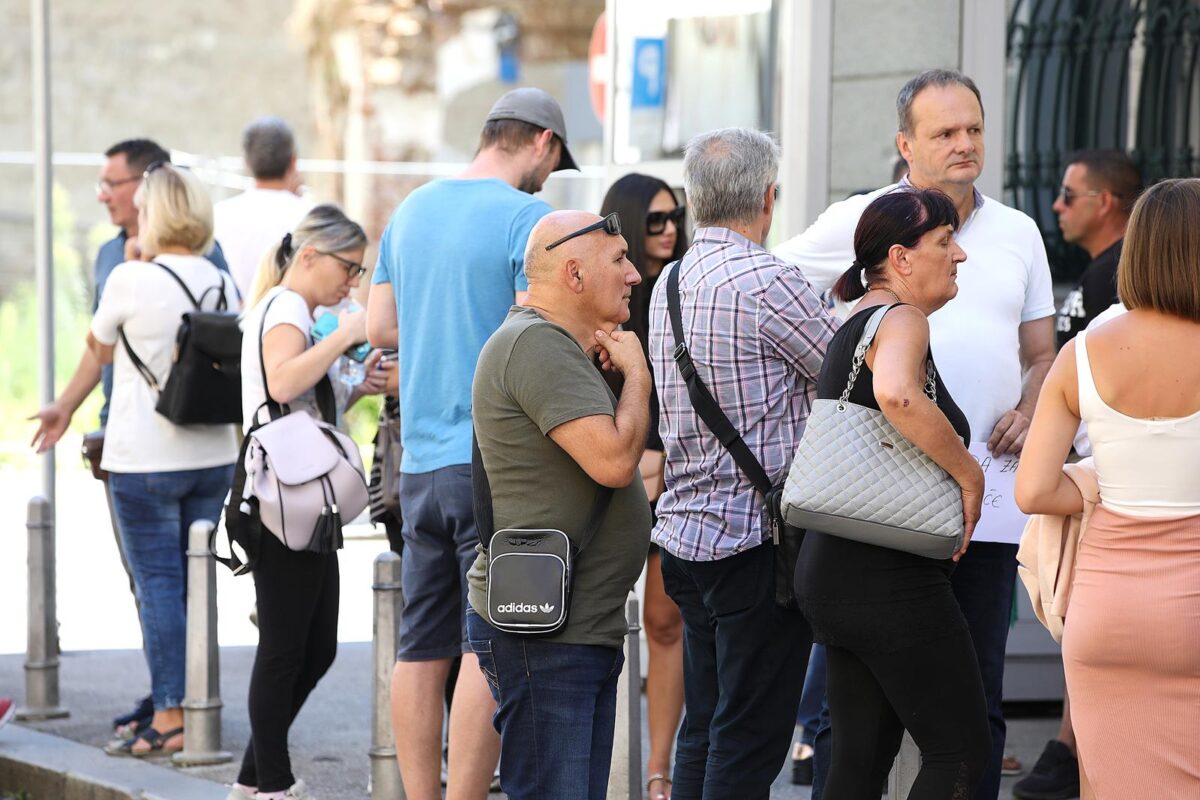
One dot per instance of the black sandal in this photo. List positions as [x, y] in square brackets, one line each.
[154, 738]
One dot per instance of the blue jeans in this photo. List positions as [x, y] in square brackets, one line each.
[556, 707]
[742, 660]
[983, 583]
[812, 697]
[154, 510]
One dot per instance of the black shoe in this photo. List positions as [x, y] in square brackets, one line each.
[802, 771]
[1055, 776]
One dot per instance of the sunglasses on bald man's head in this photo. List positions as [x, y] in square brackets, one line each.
[656, 221]
[610, 224]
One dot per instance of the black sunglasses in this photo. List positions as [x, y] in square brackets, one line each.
[353, 268]
[1068, 195]
[611, 225]
[656, 221]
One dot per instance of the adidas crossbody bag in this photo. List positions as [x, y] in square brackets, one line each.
[529, 571]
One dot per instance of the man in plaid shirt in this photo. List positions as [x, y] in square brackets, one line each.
[757, 334]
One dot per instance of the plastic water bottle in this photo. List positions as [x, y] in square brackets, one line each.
[350, 372]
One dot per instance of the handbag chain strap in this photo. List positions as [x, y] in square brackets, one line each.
[860, 357]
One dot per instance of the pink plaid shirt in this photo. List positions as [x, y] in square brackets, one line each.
[757, 333]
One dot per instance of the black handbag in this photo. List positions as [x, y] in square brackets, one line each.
[204, 386]
[786, 538]
[530, 572]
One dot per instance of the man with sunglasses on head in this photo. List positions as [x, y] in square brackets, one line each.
[574, 470]
[993, 343]
[120, 176]
[1097, 194]
[450, 266]
[757, 335]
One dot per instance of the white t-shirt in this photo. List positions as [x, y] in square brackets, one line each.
[289, 309]
[248, 224]
[148, 303]
[1004, 281]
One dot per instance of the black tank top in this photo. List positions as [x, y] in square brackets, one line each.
[835, 372]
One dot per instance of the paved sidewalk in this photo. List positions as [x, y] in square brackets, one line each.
[331, 736]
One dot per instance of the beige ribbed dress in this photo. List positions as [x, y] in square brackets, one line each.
[1131, 642]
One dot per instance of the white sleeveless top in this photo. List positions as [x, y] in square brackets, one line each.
[1146, 467]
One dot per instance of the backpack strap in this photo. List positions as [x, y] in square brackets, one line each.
[326, 398]
[703, 402]
[137, 362]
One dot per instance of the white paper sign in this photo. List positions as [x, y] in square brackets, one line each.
[1001, 520]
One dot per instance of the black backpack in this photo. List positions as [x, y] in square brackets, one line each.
[204, 386]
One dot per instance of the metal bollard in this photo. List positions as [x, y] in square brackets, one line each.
[41, 648]
[389, 602]
[633, 667]
[202, 699]
[625, 771]
[905, 769]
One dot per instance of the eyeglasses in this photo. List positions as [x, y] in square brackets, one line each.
[611, 225]
[105, 186]
[1068, 195]
[353, 269]
[656, 221]
[154, 166]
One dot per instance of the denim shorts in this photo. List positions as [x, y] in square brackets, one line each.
[439, 547]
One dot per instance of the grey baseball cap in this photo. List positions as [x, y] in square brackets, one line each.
[536, 107]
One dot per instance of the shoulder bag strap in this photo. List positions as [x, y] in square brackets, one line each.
[864, 344]
[703, 402]
[481, 501]
[182, 285]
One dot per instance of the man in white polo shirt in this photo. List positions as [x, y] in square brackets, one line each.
[993, 343]
[255, 220]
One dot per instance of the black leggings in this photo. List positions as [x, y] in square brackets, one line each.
[934, 691]
[297, 641]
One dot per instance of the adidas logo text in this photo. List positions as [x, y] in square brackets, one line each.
[524, 608]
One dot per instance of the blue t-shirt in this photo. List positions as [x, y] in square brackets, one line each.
[454, 253]
[110, 255]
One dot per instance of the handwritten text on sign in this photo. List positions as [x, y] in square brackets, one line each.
[1001, 520]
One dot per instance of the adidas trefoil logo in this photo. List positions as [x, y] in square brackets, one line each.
[524, 608]
[546, 608]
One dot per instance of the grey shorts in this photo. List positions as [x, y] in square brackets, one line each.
[439, 547]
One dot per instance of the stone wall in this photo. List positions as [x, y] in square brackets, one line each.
[189, 75]
[877, 46]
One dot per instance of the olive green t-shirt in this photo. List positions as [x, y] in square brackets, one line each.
[533, 376]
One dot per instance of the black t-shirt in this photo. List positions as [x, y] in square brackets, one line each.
[1095, 292]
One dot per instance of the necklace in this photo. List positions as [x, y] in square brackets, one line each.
[885, 289]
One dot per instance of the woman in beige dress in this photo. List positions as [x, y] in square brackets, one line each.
[1131, 642]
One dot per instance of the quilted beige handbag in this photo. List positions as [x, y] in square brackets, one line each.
[855, 476]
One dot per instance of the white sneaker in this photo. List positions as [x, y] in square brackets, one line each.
[300, 792]
[238, 793]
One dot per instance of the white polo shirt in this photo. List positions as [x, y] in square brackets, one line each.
[248, 224]
[1004, 281]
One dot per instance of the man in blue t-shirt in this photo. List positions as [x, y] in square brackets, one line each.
[451, 264]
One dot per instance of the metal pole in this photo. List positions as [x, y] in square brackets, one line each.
[43, 238]
[633, 668]
[41, 649]
[389, 603]
[202, 698]
[625, 770]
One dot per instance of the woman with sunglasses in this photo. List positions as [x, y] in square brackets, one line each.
[652, 221]
[318, 265]
[163, 476]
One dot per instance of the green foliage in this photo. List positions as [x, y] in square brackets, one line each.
[20, 365]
